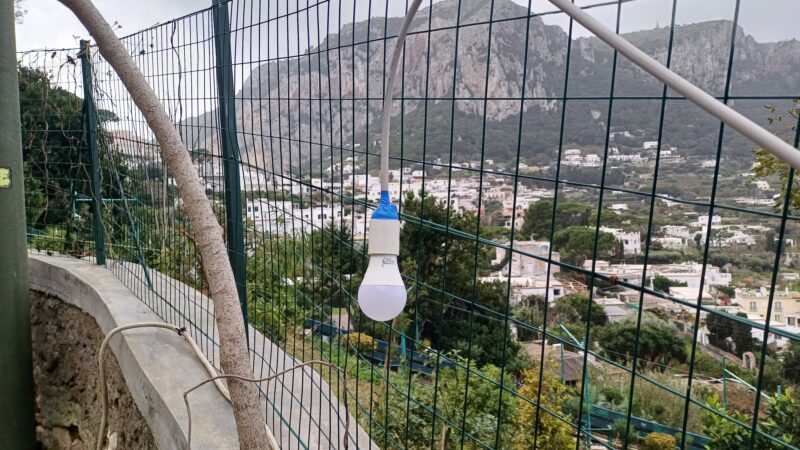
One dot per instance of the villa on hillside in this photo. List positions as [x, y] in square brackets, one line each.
[526, 271]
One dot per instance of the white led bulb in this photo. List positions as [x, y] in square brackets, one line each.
[382, 295]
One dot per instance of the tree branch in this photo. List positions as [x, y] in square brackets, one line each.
[206, 231]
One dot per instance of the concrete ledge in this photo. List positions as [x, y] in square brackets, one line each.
[158, 365]
[302, 408]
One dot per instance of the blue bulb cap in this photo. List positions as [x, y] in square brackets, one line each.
[385, 209]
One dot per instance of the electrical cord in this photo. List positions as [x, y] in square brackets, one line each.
[206, 364]
[217, 378]
[387, 96]
[102, 366]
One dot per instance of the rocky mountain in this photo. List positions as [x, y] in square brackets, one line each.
[332, 93]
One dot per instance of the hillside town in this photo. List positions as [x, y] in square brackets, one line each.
[338, 196]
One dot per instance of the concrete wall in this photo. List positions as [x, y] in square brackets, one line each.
[65, 344]
[77, 303]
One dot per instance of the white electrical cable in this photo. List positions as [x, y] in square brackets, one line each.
[217, 378]
[387, 96]
[209, 368]
[182, 332]
[101, 435]
[694, 94]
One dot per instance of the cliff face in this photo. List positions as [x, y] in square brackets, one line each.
[274, 100]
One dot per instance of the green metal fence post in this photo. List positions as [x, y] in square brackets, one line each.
[724, 383]
[90, 122]
[230, 149]
[16, 368]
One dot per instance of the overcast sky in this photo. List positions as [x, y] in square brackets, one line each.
[48, 24]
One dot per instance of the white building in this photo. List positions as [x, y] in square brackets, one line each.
[737, 237]
[674, 243]
[573, 157]
[702, 221]
[526, 271]
[621, 133]
[708, 163]
[635, 158]
[281, 217]
[678, 231]
[497, 193]
[761, 185]
[254, 180]
[362, 181]
[615, 309]
[649, 145]
[690, 294]
[689, 273]
[396, 190]
[592, 160]
[631, 240]
[619, 207]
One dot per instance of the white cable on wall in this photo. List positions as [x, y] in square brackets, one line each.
[273, 443]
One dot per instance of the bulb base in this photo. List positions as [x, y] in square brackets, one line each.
[384, 237]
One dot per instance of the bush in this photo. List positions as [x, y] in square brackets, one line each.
[553, 431]
[659, 441]
[360, 342]
[612, 395]
[658, 341]
[52, 239]
[663, 284]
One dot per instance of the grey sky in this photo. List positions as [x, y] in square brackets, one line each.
[51, 25]
[766, 20]
[48, 24]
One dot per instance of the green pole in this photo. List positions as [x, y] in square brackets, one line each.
[588, 404]
[724, 384]
[16, 369]
[90, 112]
[234, 222]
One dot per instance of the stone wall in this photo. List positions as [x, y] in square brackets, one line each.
[65, 345]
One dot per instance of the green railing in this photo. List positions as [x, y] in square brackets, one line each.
[576, 237]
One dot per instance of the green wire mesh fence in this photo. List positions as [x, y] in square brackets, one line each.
[591, 260]
[57, 163]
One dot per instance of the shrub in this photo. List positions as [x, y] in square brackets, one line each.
[360, 342]
[553, 431]
[659, 441]
[612, 395]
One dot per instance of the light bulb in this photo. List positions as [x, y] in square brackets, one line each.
[382, 295]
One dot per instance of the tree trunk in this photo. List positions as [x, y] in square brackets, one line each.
[445, 433]
[206, 231]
